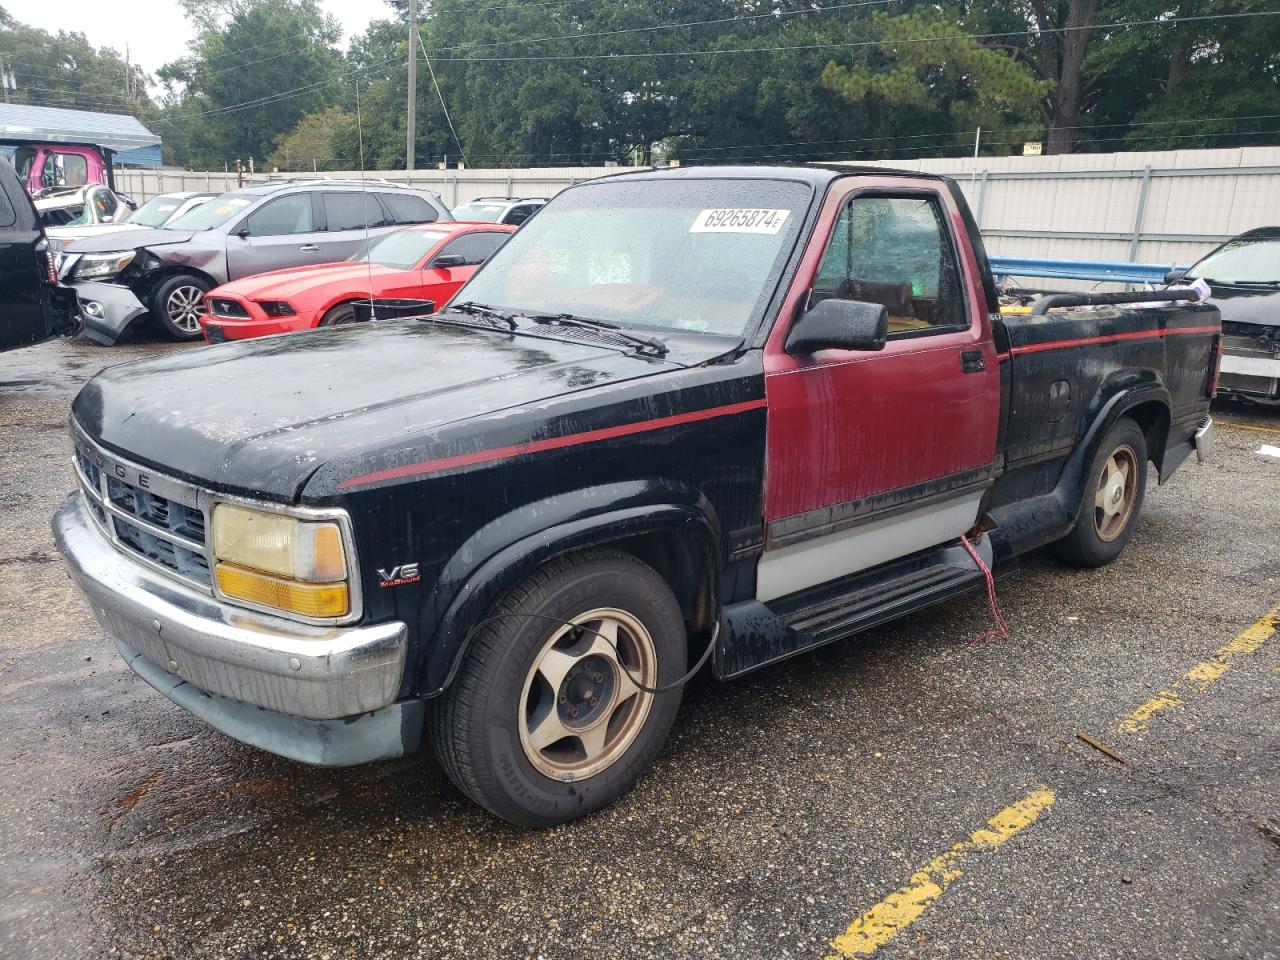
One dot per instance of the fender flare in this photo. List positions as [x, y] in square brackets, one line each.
[492, 561]
[1039, 520]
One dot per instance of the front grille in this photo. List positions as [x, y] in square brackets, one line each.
[155, 518]
[229, 308]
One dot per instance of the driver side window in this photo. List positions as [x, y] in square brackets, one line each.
[281, 217]
[895, 251]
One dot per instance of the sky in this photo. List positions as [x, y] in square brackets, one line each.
[155, 31]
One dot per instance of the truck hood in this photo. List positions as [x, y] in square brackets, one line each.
[1258, 305]
[261, 416]
[130, 239]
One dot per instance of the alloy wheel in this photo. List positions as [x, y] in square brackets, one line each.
[581, 708]
[184, 306]
[1117, 491]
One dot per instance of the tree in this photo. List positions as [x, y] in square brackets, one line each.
[65, 70]
[309, 145]
[256, 68]
[1184, 84]
[948, 80]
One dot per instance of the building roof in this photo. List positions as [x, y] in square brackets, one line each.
[20, 122]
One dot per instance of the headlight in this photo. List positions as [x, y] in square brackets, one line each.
[103, 264]
[298, 566]
[276, 308]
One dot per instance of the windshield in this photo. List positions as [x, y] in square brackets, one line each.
[84, 217]
[156, 211]
[1241, 261]
[400, 250]
[700, 255]
[484, 212]
[212, 214]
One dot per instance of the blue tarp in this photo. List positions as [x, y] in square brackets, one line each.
[1115, 271]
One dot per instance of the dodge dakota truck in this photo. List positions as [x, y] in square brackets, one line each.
[706, 415]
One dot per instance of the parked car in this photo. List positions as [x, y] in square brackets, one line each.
[168, 270]
[423, 263]
[81, 206]
[656, 429]
[156, 212]
[1244, 274]
[512, 210]
[33, 308]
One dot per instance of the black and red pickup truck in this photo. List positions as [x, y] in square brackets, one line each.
[722, 414]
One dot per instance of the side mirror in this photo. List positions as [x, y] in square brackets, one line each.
[445, 261]
[243, 233]
[840, 325]
[1174, 275]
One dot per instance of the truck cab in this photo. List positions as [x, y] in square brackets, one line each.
[44, 167]
[705, 417]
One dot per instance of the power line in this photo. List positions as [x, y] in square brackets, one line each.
[771, 15]
[284, 94]
[1169, 21]
[895, 138]
[447, 119]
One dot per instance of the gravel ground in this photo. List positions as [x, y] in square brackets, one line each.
[786, 805]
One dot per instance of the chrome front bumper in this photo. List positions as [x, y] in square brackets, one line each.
[300, 676]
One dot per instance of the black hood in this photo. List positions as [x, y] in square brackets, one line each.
[1256, 305]
[261, 416]
[130, 240]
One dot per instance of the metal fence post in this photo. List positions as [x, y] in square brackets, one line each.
[1140, 214]
[982, 198]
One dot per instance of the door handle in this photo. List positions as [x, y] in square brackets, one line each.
[971, 361]
[308, 248]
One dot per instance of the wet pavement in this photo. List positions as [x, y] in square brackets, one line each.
[786, 806]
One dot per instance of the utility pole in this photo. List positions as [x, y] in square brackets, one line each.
[4, 79]
[410, 132]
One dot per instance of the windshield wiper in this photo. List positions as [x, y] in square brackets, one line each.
[642, 344]
[473, 309]
[1250, 283]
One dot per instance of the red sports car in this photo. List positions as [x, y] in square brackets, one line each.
[428, 262]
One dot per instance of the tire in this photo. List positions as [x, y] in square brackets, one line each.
[1099, 536]
[494, 729]
[338, 316]
[176, 306]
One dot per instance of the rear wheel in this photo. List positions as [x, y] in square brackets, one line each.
[177, 305]
[547, 720]
[1112, 500]
[341, 315]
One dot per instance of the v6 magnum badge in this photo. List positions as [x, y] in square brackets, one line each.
[399, 576]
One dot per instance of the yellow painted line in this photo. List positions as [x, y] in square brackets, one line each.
[1204, 673]
[874, 928]
[1247, 426]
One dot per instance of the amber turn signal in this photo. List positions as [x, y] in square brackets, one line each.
[318, 600]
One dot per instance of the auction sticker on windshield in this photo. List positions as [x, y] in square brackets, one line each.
[739, 220]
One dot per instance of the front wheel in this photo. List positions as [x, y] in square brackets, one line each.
[1114, 488]
[339, 316]
[178, 304]
[548, 718]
